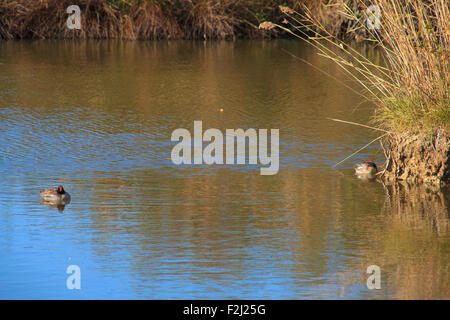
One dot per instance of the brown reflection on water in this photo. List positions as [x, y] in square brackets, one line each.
[211, 224]
[108, 109]
[423, 270]
[412, 246]
[144, 83]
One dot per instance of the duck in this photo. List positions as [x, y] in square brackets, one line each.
[366, 171]
[56, 195]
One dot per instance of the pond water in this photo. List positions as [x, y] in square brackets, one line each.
[97, 117]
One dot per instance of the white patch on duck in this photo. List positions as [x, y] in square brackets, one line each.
[366, 171]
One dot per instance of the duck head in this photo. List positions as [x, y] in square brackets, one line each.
[61, 190]
[372, 164]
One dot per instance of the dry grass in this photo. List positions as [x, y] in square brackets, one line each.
[149, 20]
[44, 19]
[140, 19]
[417, 42]
[209, 20]
[412, 92]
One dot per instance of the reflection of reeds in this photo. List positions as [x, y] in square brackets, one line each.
[419, 218]
[417, 204]
[407, 240]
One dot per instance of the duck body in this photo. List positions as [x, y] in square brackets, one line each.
[55, 195]
[366, 171]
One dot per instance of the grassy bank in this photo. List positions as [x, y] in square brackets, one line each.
[411, 93]
[164, 19]
[140, 19]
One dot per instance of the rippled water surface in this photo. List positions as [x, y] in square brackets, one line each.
[97, 117]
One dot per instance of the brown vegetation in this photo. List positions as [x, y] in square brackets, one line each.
[411, 92]
[171, 19]
[140, 19]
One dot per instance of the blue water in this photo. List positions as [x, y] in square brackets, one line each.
[97, 117]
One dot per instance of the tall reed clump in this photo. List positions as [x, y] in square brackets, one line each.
[418, 44]
[412, 92]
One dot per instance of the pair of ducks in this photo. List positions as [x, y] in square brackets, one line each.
[58, 196]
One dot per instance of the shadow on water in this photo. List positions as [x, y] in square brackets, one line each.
[50, 204]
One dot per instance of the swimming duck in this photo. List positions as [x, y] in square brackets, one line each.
[56, 195]
[366, 170]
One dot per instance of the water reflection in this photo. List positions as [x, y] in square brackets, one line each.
[50, 204]
[97, 118]
[412, 204]
[416, 240]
